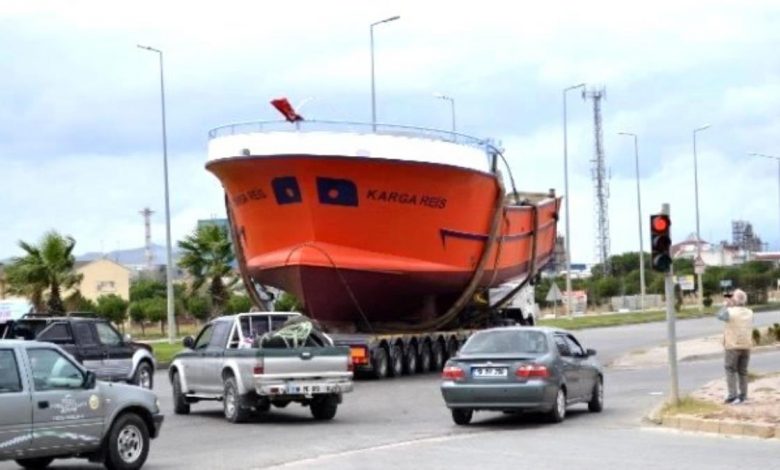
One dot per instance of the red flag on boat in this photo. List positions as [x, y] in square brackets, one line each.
[284, 107]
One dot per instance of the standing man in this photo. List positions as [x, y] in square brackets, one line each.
[737, 340]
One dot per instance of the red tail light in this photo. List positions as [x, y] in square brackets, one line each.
[527, 371]
[258, 370]
[452, 373]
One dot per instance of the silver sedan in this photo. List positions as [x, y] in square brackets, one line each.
[522, 369]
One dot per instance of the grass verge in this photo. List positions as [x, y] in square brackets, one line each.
[633, 318]
[164, 352]
[690, 407]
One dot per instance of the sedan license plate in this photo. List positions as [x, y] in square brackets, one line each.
[489, 372]
[310, 388]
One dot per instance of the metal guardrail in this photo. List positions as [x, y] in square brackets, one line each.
[354, 127]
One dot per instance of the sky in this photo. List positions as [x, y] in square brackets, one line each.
[80, 125]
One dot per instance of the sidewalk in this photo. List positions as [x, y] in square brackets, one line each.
[703, 410]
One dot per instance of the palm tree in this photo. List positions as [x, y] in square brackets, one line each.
[47, 266]
[207, 257]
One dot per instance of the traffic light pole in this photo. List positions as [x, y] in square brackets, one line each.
[671, 319]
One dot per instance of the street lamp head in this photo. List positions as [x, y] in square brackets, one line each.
[148, 48]
[627, 133]
[386, 20]
[704, 127]
[442, 96]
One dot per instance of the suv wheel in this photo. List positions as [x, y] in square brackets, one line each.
[234, 411]
[180, 405]
[324, 408]
[35, 464]
[144, 376]
[128, 443]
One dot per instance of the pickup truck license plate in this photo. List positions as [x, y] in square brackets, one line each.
[310, 388]
[489, 372]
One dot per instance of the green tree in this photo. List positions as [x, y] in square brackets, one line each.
[156, 309]
[287, 303]
[238, 304]
[113, 308]
[138, 314]
[48, 266]
[146, 289]
[207, 257]
[199, 307]
[76, 302]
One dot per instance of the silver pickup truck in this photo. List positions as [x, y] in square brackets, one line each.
[51, 407]
[231, 361]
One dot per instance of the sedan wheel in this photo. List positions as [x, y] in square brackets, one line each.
[462, 416]
[596, 403]
[558, 412]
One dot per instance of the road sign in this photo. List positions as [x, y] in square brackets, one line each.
[725, 283]
[686, 282]
[554, 294]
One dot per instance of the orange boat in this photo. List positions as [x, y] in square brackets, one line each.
[375, 225]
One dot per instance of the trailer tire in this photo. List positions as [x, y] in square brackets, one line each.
[380, 363]
[424, 361]
[437, 356]
[452, 347]
[410, 360]
[396, 360]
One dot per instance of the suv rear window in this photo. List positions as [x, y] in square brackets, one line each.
[26, 329]
[56, 333]
[9, 372]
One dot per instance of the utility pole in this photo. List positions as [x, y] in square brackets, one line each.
[671, 319]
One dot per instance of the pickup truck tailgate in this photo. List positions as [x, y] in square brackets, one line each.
[303, 370]
[308, 362]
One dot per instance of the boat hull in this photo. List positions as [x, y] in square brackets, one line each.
[363, 240]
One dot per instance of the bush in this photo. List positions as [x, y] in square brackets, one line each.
[112, 308]
[756, 336]
[777, 331]
[707, 301]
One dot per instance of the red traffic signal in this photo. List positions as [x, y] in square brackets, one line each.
[660, 242]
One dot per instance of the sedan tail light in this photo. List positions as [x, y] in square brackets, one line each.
[453, 373]
[526, 371]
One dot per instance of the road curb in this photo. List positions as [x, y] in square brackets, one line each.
[716, 355]
[726, 427]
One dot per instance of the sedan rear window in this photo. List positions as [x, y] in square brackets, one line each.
[506, 342]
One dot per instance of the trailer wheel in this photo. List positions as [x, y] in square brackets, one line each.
[380, 363]
[410, 360]
[437, 356]
[396, 360]
[452, 347]
[424, 362]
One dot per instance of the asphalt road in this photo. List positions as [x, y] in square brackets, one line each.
[402, 423]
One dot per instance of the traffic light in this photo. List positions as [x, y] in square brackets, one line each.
[661, 242]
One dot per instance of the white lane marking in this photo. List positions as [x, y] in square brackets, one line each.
[425, 440]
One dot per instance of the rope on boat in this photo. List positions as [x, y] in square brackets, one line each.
[532, 263]
[468, 292]
[239, 251]
[341, 278]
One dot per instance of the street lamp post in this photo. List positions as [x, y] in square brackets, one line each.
[639, 213]
[169, 255]
[373, 87]
[566, 199]
[698, 264]
[763, 155]
[452, 107]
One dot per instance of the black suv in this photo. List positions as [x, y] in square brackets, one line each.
[94, 342]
